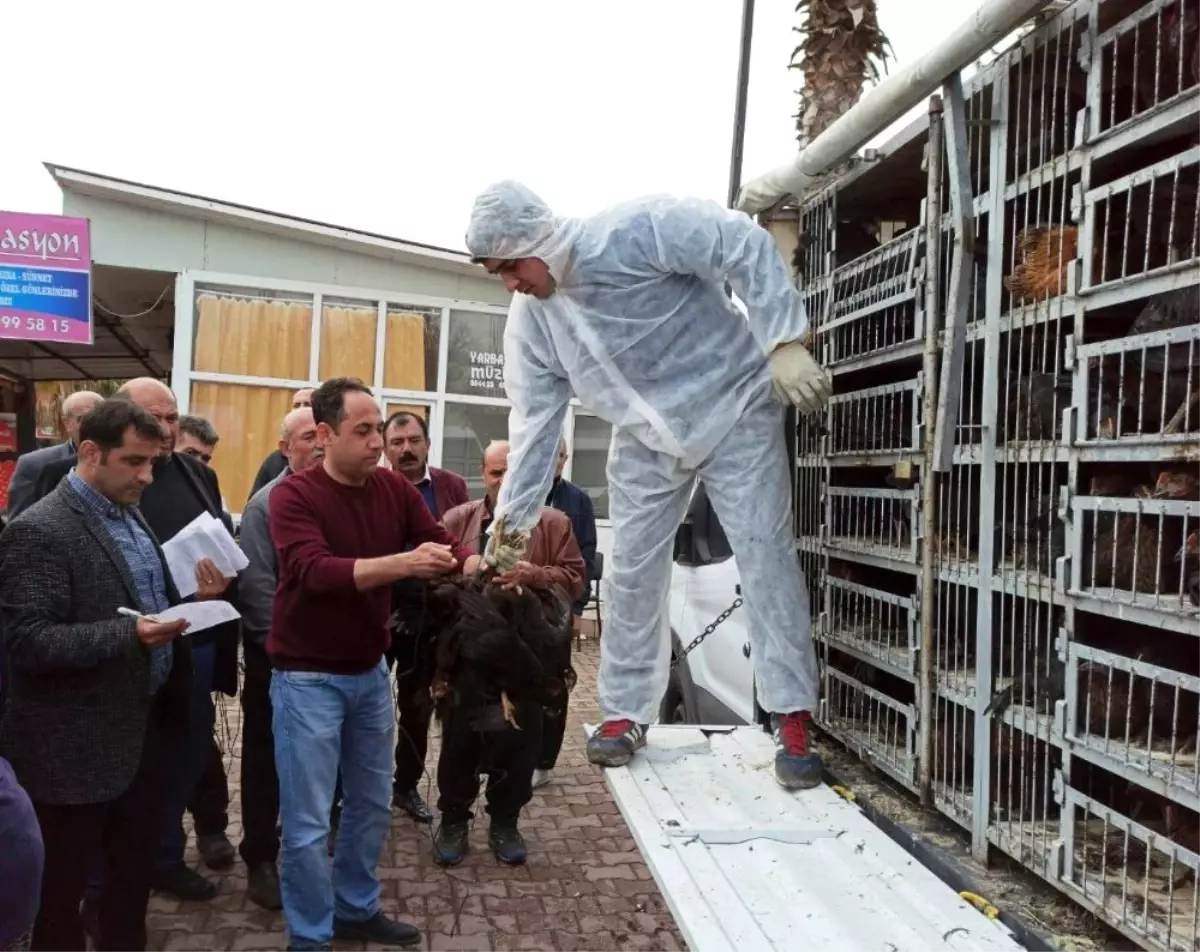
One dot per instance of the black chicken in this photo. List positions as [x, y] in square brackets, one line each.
[1043, 684]
[495, 648]
[1033, 409]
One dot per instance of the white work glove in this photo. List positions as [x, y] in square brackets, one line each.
[798, 379]
[504, 557]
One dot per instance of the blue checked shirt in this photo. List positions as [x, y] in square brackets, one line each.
[135, 544]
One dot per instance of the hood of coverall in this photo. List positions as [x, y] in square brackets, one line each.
[509, 221]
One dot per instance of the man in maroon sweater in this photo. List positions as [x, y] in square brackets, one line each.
[345, 531]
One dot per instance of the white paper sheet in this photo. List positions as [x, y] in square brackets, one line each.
[201, 615]
[205, 537]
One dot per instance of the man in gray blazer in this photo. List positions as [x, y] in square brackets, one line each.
[22, 491]
[257, 583]
[96, 697]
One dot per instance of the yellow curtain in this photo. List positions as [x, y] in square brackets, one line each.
[247, 419]
[252, 337]
[404, 351]
[348, 342]
[413, 408]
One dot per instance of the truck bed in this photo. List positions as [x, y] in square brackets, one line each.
[744, 864]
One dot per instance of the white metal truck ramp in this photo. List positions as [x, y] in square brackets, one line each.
[745, 865]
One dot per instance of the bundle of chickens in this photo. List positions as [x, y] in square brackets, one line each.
[487, 649]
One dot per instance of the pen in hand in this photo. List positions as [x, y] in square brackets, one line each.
[153, 631]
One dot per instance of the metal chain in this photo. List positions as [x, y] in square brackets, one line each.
[716, 623]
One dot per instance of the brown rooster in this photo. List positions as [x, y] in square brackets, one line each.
[1045, 254]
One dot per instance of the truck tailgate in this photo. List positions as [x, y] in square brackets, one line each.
[744, 864]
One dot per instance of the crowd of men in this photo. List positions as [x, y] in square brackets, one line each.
[107, 731]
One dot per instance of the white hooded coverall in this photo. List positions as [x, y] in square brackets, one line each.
[641, 329]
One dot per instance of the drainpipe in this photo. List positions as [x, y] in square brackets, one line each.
[739, 108]
[930, 526]
[887, 102]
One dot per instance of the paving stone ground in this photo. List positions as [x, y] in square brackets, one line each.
[585, 885]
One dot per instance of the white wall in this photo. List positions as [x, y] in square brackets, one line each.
[132, 236]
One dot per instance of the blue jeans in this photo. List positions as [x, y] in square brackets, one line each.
[190, 757]
[323, 722]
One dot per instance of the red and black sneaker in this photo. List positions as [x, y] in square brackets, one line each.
[614, 742]
[797, 765]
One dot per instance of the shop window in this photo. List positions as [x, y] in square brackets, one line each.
[475, 355]
[348, 339]
[466, 433]
[247, 419]
[253, 333]
[589, 458]
[411, 351]
[416, 409]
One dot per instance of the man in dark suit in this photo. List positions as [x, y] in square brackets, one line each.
[183, 488]
[22, 491]
[406, 445]
[97, 698]
[577, 504]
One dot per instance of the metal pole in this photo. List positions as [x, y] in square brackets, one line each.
[929, 520]
[887, 102]
[739, 107]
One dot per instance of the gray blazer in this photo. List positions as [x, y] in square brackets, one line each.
[22, 490]
[78, 686]
[258, 580]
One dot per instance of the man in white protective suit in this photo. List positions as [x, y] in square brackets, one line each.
[628, 310]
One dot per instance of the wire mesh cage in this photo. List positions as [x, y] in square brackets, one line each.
[1059, 625]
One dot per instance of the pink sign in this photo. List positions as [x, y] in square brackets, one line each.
[45, 278]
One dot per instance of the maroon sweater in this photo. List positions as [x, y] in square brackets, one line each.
[320, 527]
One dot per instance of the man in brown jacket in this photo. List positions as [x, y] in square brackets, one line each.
[509, 756]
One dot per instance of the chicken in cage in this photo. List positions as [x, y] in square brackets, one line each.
[1151, 61]
[1033, 406]
[1188, 558]
[1038, 686]
[1031, 537]
[1151, 388]
[1045, 254]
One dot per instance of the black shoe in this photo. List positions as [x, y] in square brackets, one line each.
[507, 843]
[262, 886]
[183, 883]
[410, 802]
[378, 929]
[216, 850]
[451, 845]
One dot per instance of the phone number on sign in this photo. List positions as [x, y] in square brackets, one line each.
[37, 324]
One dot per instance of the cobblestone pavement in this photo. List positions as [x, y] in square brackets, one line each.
[584, 887]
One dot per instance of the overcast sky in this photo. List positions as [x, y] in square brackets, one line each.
[390, 117]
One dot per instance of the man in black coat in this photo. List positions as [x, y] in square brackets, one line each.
[97, 698]
[577, 504]
[22, 491]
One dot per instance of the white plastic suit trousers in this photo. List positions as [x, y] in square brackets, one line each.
[748, 482]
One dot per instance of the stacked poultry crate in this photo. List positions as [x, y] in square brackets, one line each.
[1065, 635]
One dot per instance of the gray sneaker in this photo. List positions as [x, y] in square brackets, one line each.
[615, 742]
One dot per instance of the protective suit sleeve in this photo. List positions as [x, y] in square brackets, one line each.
[539, 392]
[707, 240]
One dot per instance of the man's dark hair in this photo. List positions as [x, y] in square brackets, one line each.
[329, 400]
[402, 417]
[200, 429]
[111, 419]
